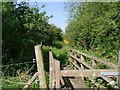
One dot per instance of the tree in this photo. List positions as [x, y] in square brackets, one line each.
[23, 28]
[95, 25]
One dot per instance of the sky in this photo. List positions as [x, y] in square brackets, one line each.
[57, 10]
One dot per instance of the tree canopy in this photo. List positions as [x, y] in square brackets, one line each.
[23, 27]
[94, 26]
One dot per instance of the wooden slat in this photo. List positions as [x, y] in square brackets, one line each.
[97, 59]
[93, 63]
[111, 81]
[105, 78]
[77, 83]
[57, 73]
[96, 83]
[75, 64]
[87, 73]
[30, 81]
[82, 58]
[40, 66]
[79, 60]
[52, 71]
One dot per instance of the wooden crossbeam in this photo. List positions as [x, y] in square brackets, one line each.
[30, 81]
[87, 73]
[97, 59]
[79, 60]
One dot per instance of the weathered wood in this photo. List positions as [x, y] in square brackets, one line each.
[79, 60]
[118, 68]
[30, 81]
[62, 81]
[40, 66]
[50, 56]
[87, 73]
[82, 67]
[96, 83]
[111, 81]
[93, 63]
[74, 64]
[51, 70]
[57, 73]
[20, 83]
[27, 71]
[77, 83]
[97, 59]
[82, 58]
[106, 78]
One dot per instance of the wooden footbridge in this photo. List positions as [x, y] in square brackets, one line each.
[73, 76]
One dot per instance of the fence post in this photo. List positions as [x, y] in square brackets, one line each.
[119, 67]
[52, 71]
[57, 74]
[40, 66]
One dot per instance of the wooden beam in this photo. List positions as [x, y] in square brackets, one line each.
[97, 59]
[74, 64]
[57, 73]
[87, 73]
[30, 81]
[77, 83]
[51, 71]
[79, 60]
[118, 68]
[40, 66]
[93, 63]
[96, 83]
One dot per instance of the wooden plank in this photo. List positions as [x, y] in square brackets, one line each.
[52, 71]
[79, 60]
[111, 81]
[40, 66]
[118, 68]
[30, 81]
[82, 58]
[67, 79]
[93, 63]
[77, 83]
[87, 73]
[50, 55]
[57, 73]
[96, 83]
[105, 78]
[75, 64]
[97, 59]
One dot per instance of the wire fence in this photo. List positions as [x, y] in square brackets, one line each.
[33, 61]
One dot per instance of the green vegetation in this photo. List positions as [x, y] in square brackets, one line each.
[93, 28]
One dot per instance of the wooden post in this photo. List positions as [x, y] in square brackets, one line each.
[119, 68]
[52, 71]
[57, 74]
[40, 66]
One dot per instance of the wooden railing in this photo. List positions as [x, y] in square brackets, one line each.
[81, 69]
